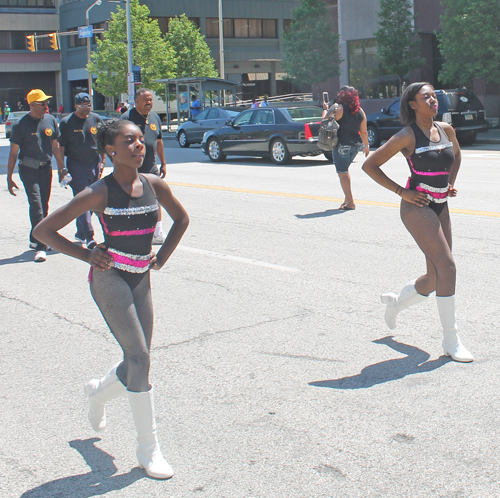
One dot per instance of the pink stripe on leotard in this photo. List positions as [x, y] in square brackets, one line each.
[128, 261]
[426, 173]
[117, 233]
[131, 232]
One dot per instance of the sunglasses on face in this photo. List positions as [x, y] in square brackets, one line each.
[83, 106]
[44, 104]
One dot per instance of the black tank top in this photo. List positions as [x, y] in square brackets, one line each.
[350, 124]
[128, 224]
[430, 165]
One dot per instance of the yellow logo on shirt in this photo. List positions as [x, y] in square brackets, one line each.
[153, 126]
[48, 132]
[93, 130]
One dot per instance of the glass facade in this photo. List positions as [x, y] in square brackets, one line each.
[366, 74]
[27, 3]
[242, 28]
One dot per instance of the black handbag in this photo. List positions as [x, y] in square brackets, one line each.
[327, 136]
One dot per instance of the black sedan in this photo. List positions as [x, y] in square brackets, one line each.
[191, 132]
[276, 132]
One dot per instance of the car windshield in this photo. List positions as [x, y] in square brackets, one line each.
[232, 114]
[16, 115]
[464, 100]
[303, 114]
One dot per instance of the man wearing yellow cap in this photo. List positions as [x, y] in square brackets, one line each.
[34, 141]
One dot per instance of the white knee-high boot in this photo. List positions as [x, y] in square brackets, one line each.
[148, 449]
[101, 391]
[452, 345]
[396, 303]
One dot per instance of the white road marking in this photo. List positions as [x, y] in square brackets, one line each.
[238, 259]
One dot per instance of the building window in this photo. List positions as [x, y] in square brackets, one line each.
[75, 41]
[27, 3]
[366, 74]
[269, 28]
[287, 23]
[163, 23]
[242, 28]
[16, 40]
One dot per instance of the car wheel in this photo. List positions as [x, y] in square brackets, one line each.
[328, 154]
[373, 136]
[466, 137]
[214, 151]
[183, 139]
[279, 152]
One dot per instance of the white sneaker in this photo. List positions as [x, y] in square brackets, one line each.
[159, 239]
[40, 256]
[33, 245]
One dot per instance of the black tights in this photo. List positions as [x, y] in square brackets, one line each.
[125, 303]
[432, 233]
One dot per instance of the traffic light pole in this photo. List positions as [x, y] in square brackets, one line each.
[130, 75]
[89, 42]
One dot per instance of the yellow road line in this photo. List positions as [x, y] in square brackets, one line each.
[321, 198]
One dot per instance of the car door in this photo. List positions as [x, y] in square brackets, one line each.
[234, 138]
[390, 122]
[262, 125]
[195, 131]
[211, 122]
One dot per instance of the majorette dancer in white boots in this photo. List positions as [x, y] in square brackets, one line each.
[433, 155]
[127, 204]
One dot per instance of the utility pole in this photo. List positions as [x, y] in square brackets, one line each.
[130, 74]
[89, 42]
[222, 70]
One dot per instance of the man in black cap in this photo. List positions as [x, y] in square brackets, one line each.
[34, 141]
[84, 163]
[150, 124]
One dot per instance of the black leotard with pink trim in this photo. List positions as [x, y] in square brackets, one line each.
[430, 166]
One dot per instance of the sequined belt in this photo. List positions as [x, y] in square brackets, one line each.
[133, 263]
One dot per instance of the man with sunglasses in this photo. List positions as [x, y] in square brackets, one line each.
[34, 142]
[150, 124]
[84, 163]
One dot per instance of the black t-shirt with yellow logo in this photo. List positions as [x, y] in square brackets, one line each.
[151, 129]
[78, 137]
[35, 136]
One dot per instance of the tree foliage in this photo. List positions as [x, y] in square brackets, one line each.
[470, 41]
[150, 51]
[398, 45]
[311, 46]
[191, 49]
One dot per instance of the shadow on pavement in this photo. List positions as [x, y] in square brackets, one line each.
[321, 214]
[385, 371]
[98, 481]
[25, 257]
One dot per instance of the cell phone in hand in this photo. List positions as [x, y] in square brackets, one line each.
[326, 98]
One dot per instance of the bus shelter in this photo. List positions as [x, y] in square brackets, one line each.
[211, 92]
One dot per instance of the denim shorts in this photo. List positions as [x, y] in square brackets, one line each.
[343, 156]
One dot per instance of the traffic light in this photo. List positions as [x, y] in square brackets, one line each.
[30, 41]
[54, 45]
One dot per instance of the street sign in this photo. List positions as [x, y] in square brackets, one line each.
[85, 31]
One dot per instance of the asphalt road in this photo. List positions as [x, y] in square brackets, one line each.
[275, 374]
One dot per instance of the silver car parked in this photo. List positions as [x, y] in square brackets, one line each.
[191, 132]
[13, 118]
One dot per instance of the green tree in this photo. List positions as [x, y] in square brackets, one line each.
[398, 45]
[150, 51]
[191, 49]
[311, 47]
[470, 41]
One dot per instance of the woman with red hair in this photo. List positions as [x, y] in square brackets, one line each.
[352, 135]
